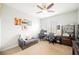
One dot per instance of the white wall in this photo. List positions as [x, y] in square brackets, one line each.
[78, 16]
[10, 31]
[61, 19]
[0, 25]
[0, 34]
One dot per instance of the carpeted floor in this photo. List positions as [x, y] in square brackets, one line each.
[41, 48]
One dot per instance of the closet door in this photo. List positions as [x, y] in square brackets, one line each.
[45, 25]
[53, 27]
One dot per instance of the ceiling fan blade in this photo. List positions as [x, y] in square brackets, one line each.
[39, 7]
[39, 12]
[50, 11]
[50, 5]
[44, 5]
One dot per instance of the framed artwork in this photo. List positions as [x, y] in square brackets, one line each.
[22, 22]
[18, 21]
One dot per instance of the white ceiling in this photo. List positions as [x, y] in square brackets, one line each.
[31, 8]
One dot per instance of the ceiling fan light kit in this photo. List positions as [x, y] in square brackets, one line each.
[44, 8]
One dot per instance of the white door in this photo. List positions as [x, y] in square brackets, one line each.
[53, 27]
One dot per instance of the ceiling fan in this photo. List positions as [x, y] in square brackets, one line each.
[45, 8]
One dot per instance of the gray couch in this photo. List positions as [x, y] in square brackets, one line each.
[26, 43]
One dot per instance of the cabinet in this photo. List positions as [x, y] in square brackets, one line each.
[77, 31]
[67, 40]
[70, 31]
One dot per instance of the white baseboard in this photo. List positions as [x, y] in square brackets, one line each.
[9, 47]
